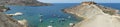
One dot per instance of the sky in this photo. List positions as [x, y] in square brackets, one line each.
[78, 1]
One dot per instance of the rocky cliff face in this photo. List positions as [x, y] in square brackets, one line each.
[7, 21]
[22, 2]
[95, 15]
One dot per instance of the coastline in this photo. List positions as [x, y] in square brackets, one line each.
[94, 15]
[23, 3]
[7, 21]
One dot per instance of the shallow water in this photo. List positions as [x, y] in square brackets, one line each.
[50, 14]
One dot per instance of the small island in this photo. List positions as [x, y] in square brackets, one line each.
[95, 15]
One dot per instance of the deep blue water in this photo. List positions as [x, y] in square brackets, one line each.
[112, 5]
[50, 13]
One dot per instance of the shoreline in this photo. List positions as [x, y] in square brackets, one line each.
[94, 14]
[8, 21]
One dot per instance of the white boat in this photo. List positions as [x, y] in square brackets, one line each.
[49, 26]
[16, 14]
[71, 24]
[51, 21]
[69, 16]
[41, 20]
[40, 15]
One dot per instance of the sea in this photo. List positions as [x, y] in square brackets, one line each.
[44, 16]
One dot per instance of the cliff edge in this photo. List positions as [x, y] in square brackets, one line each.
[23, 2]
[95, 15]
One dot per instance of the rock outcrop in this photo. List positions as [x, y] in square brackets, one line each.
[7, 21]
[23, 2]
[95, 15]
[4, 9]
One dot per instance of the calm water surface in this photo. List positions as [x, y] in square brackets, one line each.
[51, 15]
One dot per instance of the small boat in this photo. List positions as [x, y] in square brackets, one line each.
[54, 15]
[51, 21]
[40, 15]
[18, 13]
[49, 26]
[69, 16]
[62, 20]
[58, 16]
[41, 20]
[71, 24]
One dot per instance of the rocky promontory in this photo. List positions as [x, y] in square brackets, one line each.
[95, 15]
[23, 2]
[7, 21]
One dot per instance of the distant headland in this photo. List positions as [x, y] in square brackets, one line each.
[23, 2]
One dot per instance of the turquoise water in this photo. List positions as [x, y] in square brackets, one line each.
[49, 13]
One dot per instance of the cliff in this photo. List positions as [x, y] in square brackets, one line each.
[23, 2]
[7, 21]
[95, 15]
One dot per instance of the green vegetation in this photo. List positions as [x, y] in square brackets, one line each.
[109, 12]
[3, 8]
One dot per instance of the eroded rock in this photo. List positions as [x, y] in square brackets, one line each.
[95, 15]
[7, 21]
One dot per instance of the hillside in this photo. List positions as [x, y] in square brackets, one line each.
[23, 2]
[95, 15]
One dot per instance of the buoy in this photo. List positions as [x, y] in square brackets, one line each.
[49, 26]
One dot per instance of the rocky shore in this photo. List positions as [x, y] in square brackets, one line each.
[7, 21]
[95, 15]
[23, 2]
